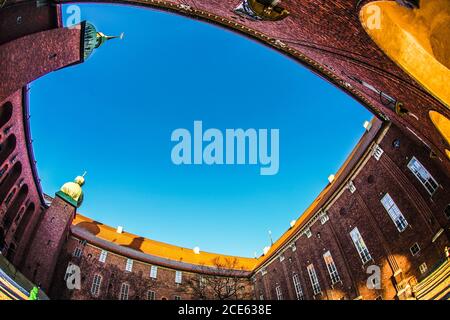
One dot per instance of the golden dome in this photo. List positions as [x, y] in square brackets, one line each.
[72, 191]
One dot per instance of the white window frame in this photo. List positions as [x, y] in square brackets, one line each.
[360, 246]
[331, 266]
[177, 297]
[423, 175]
[261, 297]
[351, 186]
[279, 292]
[103, 256]
[153, 272]
[377, 152]
[96, 283]
[77, 253]
[308, 233]
[314, 279]
[124, 291]
[298, 287]
[151, 295]
[423, 268]
[178, 277]
[394, 212]
[415, 245]
[129, 265]
[324, 217]
[281, 258]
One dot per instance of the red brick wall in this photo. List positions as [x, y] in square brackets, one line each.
[26, 211]
[388, 247]
[21, 19]
[113, 275]
[32, 56]
[51, 234]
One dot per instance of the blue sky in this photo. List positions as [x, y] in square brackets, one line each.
[113, 116]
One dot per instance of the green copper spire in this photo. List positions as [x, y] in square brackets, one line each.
[93, 39]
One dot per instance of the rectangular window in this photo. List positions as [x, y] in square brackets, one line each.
[360, 246]
[96, 282]
[177, 298]
[331, 266]
[151, 295]
[203, 282]
[308, 233]
[447, 211]
[423, 268]
[77, 253]
[279, 293]
[178, 277]
[153, 272]
[394, 212]
[298, 287]
[351, 187]
[415, 249]
[314, 280]
[129, 265]
[324, 217]
[377, 152]
[261, 297]
[281, 258]
[103, 256]
[423, 175]
[124, 288]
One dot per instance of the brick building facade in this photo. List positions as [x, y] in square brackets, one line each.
[387, 208]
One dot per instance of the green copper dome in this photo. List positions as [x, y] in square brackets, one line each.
[93, 39]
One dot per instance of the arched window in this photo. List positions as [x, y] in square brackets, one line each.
[11, 252]
[2, 239]
[3, 171]
[7, 148]
[24, 222]
[124, 291]
[5, 113]
[15, 206]
[6, 185]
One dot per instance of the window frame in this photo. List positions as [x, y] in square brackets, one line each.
[129, 265]
[416, 244]
[315, 284]
[124, 293]
[363, 250]
[423, 180]
[151, 295]
[331, 267]
[103, 256]
[298, 287]
[178, 277]
[154, 272]
[394, 212]
[77, 253]
[279, 292]
[95, 287]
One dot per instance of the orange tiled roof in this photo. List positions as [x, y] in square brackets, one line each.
[156, 248]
